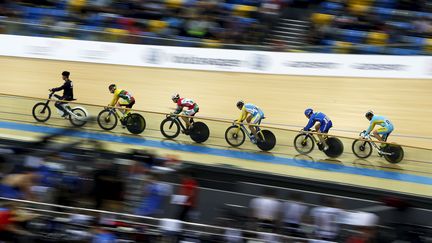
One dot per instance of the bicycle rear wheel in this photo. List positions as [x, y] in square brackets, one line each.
[170, 128]
[41, 112]
[303, 143]
[80, 119]
[135, 123]
[200, 132]
[235, 136]
[107, 119]
[396, 153]
[361, 149]
[335, 147]
[267, 141]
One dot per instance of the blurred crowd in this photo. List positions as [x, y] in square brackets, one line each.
[93, 195]
[400, 27]
[405, 26]
[210, 21]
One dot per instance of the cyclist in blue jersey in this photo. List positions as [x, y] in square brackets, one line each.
[323, 125]
[381, 133]
[253, 115]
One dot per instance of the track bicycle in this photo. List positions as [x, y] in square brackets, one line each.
[362, 148]
[77, 115]
[235, 136]
[109, 117]
[304, 143]
[171, 127]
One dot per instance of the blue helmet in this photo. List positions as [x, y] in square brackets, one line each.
[308, 112]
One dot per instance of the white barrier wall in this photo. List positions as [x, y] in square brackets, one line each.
[339, 65]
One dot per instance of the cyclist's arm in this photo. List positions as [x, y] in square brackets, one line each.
[114, 100]
[243, 115]
[309, 124]
[178, 109]
[58, 88]
[372, 125]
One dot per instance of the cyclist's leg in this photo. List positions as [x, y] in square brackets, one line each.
[121, 107]
[129, 107]
[190, 112]
[379, 132]
[319, 128]
[125, 108]
[384, 133]
[254, 120]
[60, 105]
[325, 128]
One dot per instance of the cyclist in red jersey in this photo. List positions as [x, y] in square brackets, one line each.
[192, 108]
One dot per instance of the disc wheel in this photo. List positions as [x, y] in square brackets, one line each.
[335, 147]
[135, 123]
[267, 140]
[200, 132]
[396, 153]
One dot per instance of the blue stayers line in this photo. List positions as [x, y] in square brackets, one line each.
[224, 153]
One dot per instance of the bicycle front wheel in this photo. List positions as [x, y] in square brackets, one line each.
[304, 143]
[362, 149]
[170, 128]
[107, 120]
[235, 136]
[41, 112]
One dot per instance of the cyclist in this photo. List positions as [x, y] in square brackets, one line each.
[192, 108]
[67, 88]
[323, 125]
[253, 115]
[127, 101]
[381, 133]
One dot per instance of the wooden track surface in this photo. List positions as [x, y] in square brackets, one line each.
[283, 99]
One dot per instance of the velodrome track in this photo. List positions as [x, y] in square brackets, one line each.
[283, 99]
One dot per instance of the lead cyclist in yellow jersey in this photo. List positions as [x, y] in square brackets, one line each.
[121, 99]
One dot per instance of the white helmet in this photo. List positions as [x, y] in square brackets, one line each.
[175, 96]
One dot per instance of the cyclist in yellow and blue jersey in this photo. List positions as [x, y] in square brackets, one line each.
[384, 131]
[252, 114]
[121, 98]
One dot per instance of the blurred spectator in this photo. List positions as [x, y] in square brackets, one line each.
[101, 235]
[366, 226]
[218, 21]
[188, 194]
[294, 212]
[326, 219]
[266, 208]
[108, 186]
[154, 194]
[12, 223]
[269, 12]
[19, 185]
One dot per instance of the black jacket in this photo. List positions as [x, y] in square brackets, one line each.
[67, 88]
